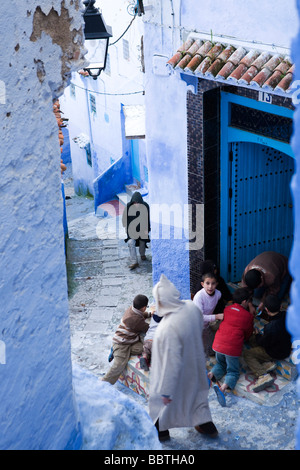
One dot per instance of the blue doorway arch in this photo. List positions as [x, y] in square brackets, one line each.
[256, 169]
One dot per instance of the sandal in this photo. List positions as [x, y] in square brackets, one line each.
[220, 395]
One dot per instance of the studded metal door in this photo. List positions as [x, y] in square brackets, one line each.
[261, 213]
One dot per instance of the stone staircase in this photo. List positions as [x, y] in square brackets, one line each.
[116, 206]
[125, 196]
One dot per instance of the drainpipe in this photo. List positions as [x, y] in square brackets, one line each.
[173, 25]
[161, 22]
[90, 124]
[180, 28]
[93, 155]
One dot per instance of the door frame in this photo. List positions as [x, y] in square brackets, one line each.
[229, 135]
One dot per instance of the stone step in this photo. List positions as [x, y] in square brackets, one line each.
[135, 378]
[124, 198]
[132, 188]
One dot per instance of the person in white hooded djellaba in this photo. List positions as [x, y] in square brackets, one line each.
[178, 381]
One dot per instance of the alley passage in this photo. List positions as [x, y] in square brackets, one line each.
[100, 284]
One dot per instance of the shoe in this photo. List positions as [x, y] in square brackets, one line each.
[133, 266]
[144, 364]
[263, 382]
[111, 355]
[163, 436]
[143, 257]
[209, 429]
[220, 395]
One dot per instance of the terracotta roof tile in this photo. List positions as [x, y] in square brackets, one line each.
[237, 73]
[231, 61]
[218, 64]
[199, 56]
[286, 81]
[210, 57]
[234, 64]
[250, 57]
[189, 54]
[181, 52]
[273, 81]
[255, 68]
[267, 71]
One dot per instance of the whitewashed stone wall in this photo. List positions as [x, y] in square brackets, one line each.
[42, 42]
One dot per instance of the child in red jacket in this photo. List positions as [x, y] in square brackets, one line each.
[236, 327]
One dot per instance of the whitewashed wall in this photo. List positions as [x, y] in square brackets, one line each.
[122, 84]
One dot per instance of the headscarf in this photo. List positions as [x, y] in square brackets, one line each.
[136, 198]
[167, 297]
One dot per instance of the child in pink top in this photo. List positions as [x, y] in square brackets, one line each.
[206, 300]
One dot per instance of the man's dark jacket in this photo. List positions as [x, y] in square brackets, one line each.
[275, 339]
[132, 216]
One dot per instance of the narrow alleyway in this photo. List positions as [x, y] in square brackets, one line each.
[100, 288]
[100, 284]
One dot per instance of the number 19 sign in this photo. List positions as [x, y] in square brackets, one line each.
[265, 97]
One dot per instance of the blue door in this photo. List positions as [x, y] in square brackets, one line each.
[257, 164]
[261, 206]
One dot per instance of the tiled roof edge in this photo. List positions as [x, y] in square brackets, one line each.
[223, 81]
[234, 62]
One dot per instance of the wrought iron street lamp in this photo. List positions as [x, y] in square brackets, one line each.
[98, 34]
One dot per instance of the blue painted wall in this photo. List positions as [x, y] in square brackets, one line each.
[112, 181]
[169, 257]
[294, 309]
[37, 405]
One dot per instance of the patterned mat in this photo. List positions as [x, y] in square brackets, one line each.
[271, 395]
[138, 380]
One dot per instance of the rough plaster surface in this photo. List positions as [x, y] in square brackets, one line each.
[60, 27]
[36, 397]
[293, 313]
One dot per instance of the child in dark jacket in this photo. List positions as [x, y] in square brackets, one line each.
[236, 327]
[273, 343]
[127, 340]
